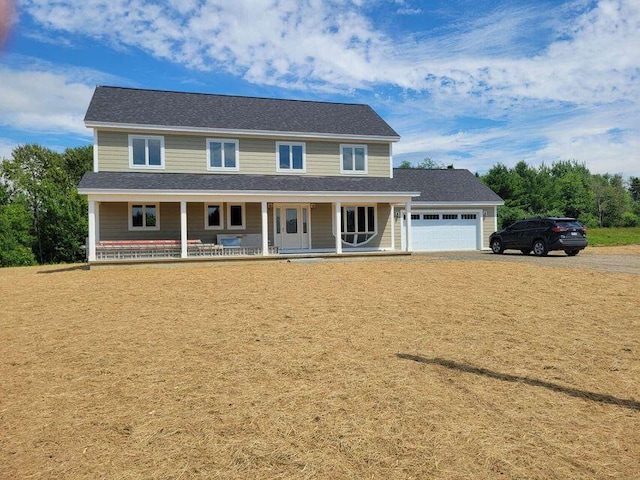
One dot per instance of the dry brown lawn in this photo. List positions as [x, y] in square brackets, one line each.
[367, 369]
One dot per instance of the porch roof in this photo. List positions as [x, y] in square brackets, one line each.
[188, 183]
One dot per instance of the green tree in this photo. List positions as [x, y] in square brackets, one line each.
[15, 236]
[47, 181]
[634, 188]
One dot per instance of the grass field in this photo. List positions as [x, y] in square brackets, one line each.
[367, 369]
[613, 236]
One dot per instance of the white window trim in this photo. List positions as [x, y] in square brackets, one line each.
[343, 230]
[223, 168]
[206, 216]
[366, 159]
[146, 155]
[144, 217]
[244, 216]
[304, 157]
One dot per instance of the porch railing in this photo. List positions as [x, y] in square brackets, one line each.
[132, 250]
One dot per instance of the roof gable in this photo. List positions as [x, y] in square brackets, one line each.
[117, 105]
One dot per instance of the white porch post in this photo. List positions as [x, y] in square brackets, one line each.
[92, 231]
[407, 223]
[265, 229]
[338, 220]
[393, 227]
[183, 229]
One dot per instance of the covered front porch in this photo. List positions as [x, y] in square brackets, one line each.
[129, 227]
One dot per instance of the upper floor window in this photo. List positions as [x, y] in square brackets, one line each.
[354, 159]
[222, 154]
[290, 157]
[146, 151]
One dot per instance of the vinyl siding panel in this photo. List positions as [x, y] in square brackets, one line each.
[187, 154]
[321, 231]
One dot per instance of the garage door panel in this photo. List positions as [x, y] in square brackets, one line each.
[443, 234]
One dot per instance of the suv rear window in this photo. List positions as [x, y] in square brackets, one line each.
[574, 224]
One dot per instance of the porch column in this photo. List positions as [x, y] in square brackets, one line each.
[183, 229]
[92, 231]
[265, 229]
[407, 224]
[393, 227]
[338, 220]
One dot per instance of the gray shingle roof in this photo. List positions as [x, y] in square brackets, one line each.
[448, 185]
[433, 185]
[234, 182]
[209, 111]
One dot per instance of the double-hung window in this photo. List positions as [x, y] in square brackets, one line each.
[146, 151]
[353, 159]
[144, 216]
[290, 157]
[222, 155]
[358, 224]
[213, 217]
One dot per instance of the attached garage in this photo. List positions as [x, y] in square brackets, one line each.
[454, 211]
[444, 230]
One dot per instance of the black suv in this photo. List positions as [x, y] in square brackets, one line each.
[541, 235]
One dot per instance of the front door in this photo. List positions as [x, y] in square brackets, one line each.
[292, 226]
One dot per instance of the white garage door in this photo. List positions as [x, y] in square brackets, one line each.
[433, 231]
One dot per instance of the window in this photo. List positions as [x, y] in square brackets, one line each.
[146, 151]
[449, 216]
[358, 224]
[144, 216]
[431, 216]
[235, 216]
[354, 159]
[290, 157]
[415, 216]
[213, 218]
[222, 155]
[468, 216]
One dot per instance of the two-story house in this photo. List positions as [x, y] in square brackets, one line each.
[187, 174]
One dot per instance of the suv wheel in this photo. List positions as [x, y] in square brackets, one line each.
[540, 248]
[496, 246]
[572, 253]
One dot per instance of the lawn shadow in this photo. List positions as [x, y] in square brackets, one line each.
[73, 268]
[572, 392]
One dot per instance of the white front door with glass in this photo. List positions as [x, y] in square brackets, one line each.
[292, 226]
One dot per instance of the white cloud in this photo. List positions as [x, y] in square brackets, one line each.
[37, 96]
[488, 65]
[6, 147]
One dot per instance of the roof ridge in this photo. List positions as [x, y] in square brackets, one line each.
[232, 96]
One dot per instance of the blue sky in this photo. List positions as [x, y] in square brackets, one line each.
[466, 82]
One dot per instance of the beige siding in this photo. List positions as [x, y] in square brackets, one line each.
[114, 223]
[321, 226]
[322, 235]
[187, 154]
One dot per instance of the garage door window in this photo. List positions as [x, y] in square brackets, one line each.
[431, 216]
[469, 216]
[450, 216]
[358, 224]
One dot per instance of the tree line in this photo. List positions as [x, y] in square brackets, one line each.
[42, 217]
[565, 189]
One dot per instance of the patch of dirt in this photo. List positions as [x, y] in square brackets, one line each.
[367, 369]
